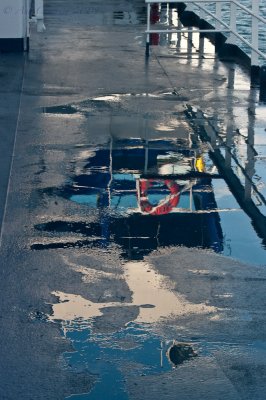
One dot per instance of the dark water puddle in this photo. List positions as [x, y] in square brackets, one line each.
[64, 110]
[132, 352]
[144, 191]
[149, 194]
[124, 356]
[117, 340]
[137, 192]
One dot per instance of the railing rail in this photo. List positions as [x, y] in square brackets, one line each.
[220, 25]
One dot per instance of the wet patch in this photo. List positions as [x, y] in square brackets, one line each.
[130, 353]
[145, 284]
[137, 187]
[114, 102]
[133, 205]
[135, 349]
[118, 340]
[145, 188]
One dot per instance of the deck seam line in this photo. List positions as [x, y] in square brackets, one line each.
[13, 154]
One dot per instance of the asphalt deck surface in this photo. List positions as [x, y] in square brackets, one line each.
[89, 51]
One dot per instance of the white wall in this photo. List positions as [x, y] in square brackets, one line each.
[13, 18]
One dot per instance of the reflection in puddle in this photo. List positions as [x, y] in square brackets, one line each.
[150, 292]
[142, 190]
[135, 346]
[133, 352]
[148, 287]
[138, 190]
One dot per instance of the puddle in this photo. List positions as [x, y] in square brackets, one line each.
[151, 294]
[151, 184]
[144, 184]
[148, 188]
[113, 102]
[136, 189]
[134, 349]
[110, 355]
[118, 352]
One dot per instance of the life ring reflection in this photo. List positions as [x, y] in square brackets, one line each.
[166, 205]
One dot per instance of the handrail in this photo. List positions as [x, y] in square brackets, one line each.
[248, 11]
[221, 26]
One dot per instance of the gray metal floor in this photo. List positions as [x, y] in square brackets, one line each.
[91, 50]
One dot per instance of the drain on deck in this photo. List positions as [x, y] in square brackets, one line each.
[180, 352]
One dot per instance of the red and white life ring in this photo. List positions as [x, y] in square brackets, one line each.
[164, 206]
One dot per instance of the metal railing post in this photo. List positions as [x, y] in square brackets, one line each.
[218, 13]
[254, 72]
[201, 36]
[255, 33]
[189, 41]
[233, 11]
[178, 42]
[218, 25]
[201, 45]
[147, 53]
[250, 161]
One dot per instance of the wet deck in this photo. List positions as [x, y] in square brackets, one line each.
[133, 208]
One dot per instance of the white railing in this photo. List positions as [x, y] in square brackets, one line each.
[220, 25]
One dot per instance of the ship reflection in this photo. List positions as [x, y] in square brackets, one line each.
[145, 196]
